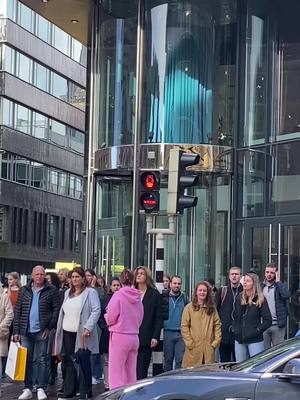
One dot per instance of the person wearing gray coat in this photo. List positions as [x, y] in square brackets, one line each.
[77, 327]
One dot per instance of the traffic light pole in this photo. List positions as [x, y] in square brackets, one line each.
[159, 274]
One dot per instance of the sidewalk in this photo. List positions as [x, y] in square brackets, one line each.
[11, 390]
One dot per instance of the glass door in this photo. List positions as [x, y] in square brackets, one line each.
[277, 242]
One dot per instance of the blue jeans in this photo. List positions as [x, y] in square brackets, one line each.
[244, 351]
[96, 365]
[173, 348]
[37, 368]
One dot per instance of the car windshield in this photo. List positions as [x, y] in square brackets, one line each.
[256, 361]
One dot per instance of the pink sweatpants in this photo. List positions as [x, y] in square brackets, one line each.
[122, 359]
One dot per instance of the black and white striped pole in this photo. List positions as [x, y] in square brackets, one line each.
[157, 365]
[157, 354]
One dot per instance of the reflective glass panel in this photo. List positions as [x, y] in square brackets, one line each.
[41, 77]
[22, 119]
[42, 28]
[115, 85]
[7, 112]
[58, 133]
[77, 141]
[62, 185]
[8, 9]
[8, 59]
[5, 166]
[59, 86]
[53, 231]
[61, 40]
[21, 170]
[78, 52]
[40, 126]
[256, 73]
[190, 72]
[77, 96]
[38, 175]
[285, 183]
[24, 68]
[289, 70]
[53, 181]
[251, 182]
[25, 17]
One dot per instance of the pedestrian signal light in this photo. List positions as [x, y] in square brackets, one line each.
[180, 179]
[149, 192]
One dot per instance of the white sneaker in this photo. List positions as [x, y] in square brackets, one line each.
[26, 395]
[41, 395]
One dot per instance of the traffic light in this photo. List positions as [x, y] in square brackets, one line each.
[179, 179]
[149, 192]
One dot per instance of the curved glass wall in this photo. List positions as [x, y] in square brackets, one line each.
[189, 73]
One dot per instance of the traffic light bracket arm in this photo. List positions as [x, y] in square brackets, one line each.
[161, 231]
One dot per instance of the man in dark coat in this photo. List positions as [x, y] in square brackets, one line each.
[277, 295]
[225, 301]
[36, 313]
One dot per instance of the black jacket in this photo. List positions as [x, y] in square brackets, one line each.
[226, 308]
[104, 338]
[282, 295]
[153, 317]
[49, 303]
[251, 321]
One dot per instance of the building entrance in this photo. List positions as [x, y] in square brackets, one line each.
[279, 242]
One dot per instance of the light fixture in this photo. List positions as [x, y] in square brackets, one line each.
[74, 21]
[45, 1]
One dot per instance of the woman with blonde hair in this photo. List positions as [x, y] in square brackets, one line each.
[152, 323]
[251, 318]
[200, 327]
[13, 283]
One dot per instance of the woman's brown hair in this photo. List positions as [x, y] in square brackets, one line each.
[80, 271]
[256, 296]
[149, 280]
[209, 302]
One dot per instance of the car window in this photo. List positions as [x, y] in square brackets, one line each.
[256, 361]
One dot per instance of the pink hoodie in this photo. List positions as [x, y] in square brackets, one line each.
[125, 311]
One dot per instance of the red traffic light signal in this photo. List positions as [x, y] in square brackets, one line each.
[149, 193]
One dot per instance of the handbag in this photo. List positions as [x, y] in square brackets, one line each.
[16, 362]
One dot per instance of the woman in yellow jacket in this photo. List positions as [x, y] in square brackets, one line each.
[200, 328]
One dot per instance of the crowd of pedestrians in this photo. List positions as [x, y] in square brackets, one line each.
[55, 316]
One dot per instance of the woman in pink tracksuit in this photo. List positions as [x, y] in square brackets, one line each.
[124, 316]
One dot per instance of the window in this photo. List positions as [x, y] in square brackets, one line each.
[43, 28]
[78, 52]
[22, 119]
[53, 181]
[72, 186]
[40, 126]
[77, 141]
[53, 231]
[61, 40]
[14, 225]
[5, 166]
[25, 17]
[62, 183]
[78, 188]
[41, 77]
[77, 96]
[8, 59]
[8, 9]
[77, 236]
[3, 222]
[63, 232]
[7, 113]
[38, 175]
[58, 133]
[24, 68]
[21, 170]
[59, 86]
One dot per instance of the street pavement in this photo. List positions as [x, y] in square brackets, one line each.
[11, 390]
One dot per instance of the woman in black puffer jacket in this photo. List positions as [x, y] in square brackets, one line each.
[251, 318]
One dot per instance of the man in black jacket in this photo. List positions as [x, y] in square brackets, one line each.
[225, 301]
[277, 295]
[36, 313]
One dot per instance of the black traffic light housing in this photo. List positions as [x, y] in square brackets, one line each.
[149, 191]
[180, 179]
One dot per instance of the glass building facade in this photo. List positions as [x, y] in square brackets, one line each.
[214, 77]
